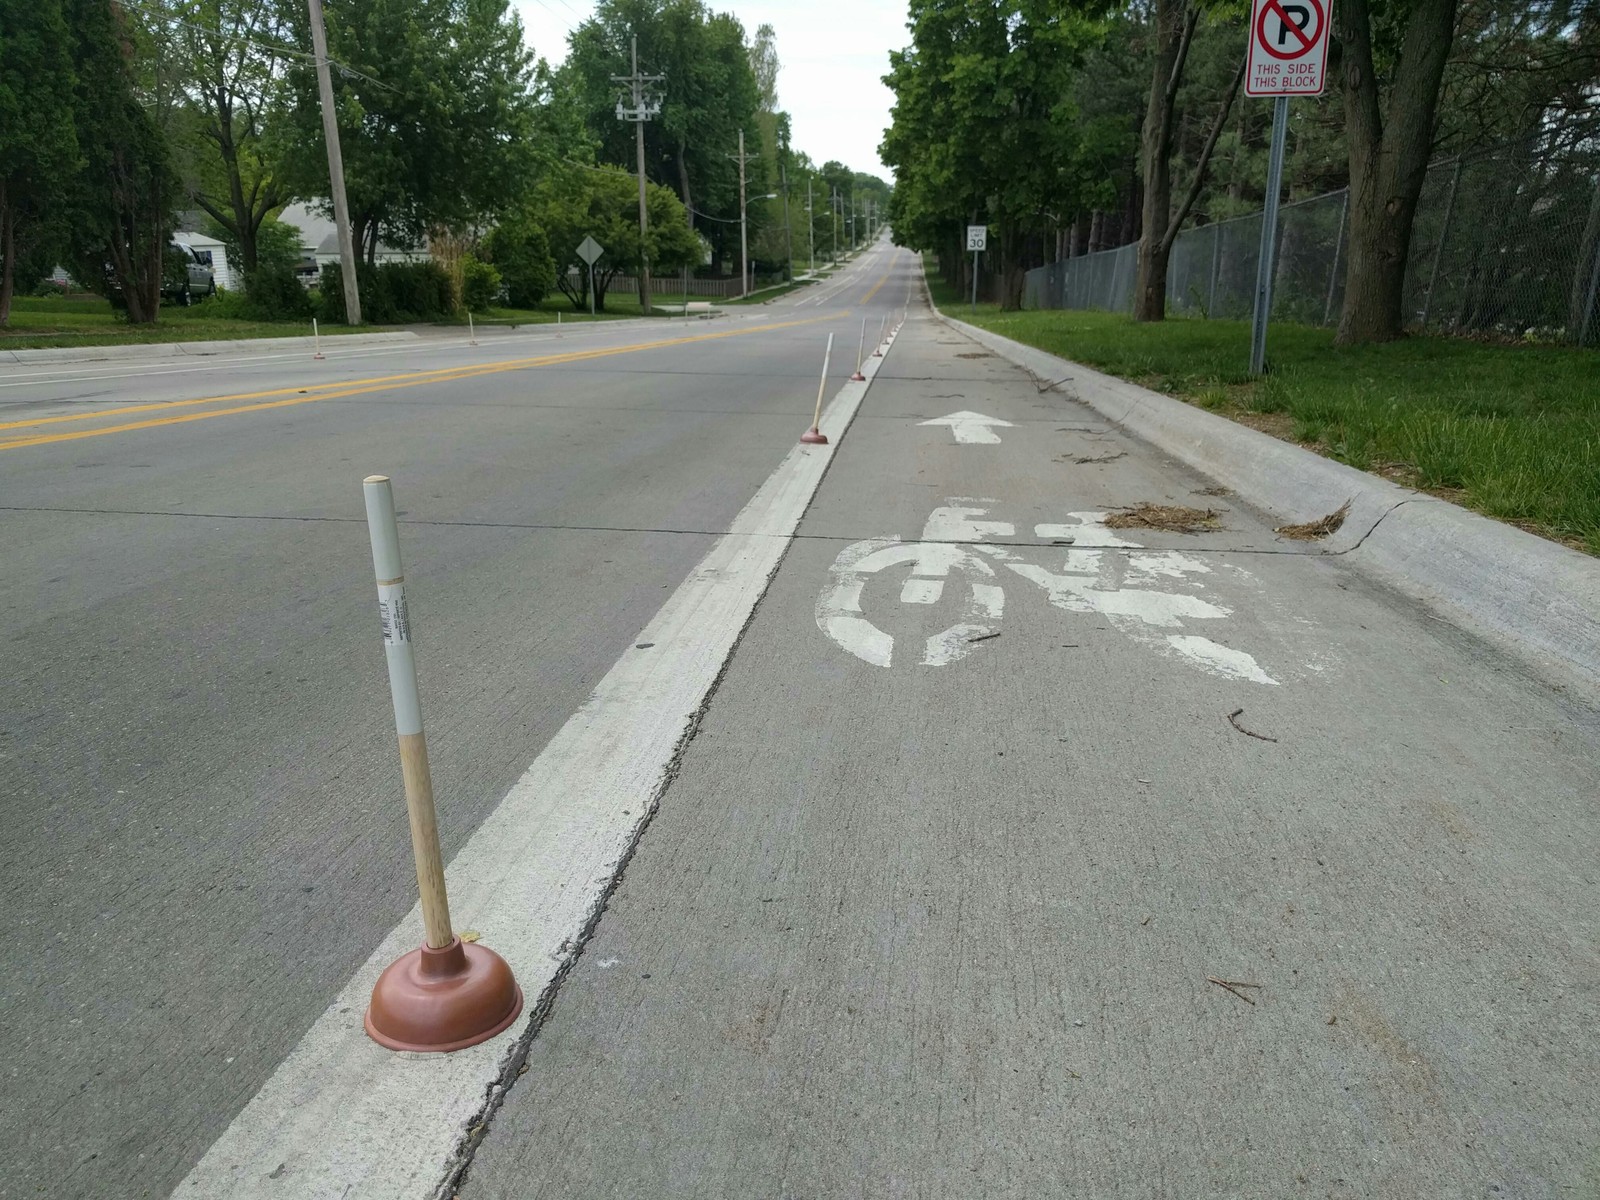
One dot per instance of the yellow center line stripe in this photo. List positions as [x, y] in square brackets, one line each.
[353, 387]
[875, 288]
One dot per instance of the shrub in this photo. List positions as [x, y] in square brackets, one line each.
[480, 284]
[390, 293]
[228, 305]
[417, 291]
[520, 251]
[275, 294]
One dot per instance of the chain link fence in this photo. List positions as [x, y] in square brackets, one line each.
[1504, 242]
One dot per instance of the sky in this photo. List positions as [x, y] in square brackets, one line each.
[834, 54]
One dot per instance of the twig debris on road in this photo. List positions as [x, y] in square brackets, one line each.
[1232, 720]
[1233, 985]
[1312, 530]
[1169, 517]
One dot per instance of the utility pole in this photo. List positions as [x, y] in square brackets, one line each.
[330, 134]
[744, 241]
[811, 227]
[788, 233]
[644, 106]
[853, 243]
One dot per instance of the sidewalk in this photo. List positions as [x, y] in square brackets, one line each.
[939, 899]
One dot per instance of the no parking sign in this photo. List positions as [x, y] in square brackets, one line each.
[1288, 48]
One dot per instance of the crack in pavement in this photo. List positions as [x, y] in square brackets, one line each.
[1308, 552]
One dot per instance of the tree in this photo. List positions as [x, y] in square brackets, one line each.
[435, 115]
[38, 139]
[227, 58]
[709, 94]
[984, 127]
[764, 65]
[122, 198]
[1174, 24]
[1390, 138]
[603, 203]
[520, 251]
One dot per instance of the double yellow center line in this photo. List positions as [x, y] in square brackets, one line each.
[333, 391]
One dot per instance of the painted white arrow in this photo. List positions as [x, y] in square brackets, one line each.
[972, 428]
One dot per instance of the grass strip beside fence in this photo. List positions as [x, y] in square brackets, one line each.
[1510, 431]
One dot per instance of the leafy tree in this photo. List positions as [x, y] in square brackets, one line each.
[480, 284]
[603, 203]
[38, 138]
[277, 245]
[708, 95]
[227, 58]
[122, 198]
[520, 251]
[764, 65]
[435, 115]
[984, 126]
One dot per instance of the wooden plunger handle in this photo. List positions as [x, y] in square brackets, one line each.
[396, 622]
[823, 386]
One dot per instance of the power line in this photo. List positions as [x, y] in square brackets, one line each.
[282, 48]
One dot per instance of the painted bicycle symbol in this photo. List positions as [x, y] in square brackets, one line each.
[957, 558]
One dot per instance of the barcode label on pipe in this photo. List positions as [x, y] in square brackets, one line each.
[392, 614]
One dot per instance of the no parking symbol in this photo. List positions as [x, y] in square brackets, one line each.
[1288, 48]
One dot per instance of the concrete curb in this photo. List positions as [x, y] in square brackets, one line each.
[1533, 598]
[158, 350]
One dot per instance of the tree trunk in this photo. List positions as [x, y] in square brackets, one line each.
[683, 183]
[1012, 244]
[8, 256]
[1388, 161]
[1581, 307]
[1174, 27]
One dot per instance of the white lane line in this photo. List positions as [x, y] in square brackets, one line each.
[343, 1119]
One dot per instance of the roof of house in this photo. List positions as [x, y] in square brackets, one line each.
[319, 235]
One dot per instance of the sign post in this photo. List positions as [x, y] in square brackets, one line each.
[977, 242]
[589, 250]
[1287, 57]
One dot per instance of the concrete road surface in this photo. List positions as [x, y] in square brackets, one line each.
[1009, 853]
[937, 904]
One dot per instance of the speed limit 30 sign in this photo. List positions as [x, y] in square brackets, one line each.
[1288, 48]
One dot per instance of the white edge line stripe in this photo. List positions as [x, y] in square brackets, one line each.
[342, 1118]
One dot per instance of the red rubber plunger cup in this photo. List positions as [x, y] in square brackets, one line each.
[442, 1000]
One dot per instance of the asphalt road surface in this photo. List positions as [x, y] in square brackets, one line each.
[197, 760]
[1013, 854]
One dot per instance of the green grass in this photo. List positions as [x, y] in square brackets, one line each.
[59, 322]
[617, 307]
[1511, 431]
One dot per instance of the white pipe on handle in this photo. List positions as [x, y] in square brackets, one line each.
[472, 331]
[827, 354]
[395, 621]
[316, 339]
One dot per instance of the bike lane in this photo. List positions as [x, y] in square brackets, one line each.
[1021, 854]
